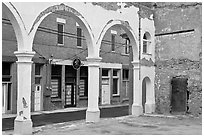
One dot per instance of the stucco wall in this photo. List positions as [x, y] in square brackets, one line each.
[179, 53]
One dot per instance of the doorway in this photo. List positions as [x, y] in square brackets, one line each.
[146, 94]
[37, 100]
[179, 95]
[143, 94]
[70, 95]
[105, 91]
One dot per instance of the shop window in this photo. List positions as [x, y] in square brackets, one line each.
[83, 85]
[38, 76]
[60, 37]
[125, 81]
[105, 72]
[70, 77]
[115, 82]
[56, 81]
[125, 74]
[79, 36]
[6, 87]
[146, 42]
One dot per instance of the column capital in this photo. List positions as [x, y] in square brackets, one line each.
[93, 62]
[94, 59]
[24, 56]
[135, 64]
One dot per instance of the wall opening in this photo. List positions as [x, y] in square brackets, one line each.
[143, 94]
[146, 92]
[179, 95]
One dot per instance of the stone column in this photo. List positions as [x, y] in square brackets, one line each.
[137, 92]
[93, 112]
[23, 123]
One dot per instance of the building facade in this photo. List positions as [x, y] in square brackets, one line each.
[178, 26]
[39, 48]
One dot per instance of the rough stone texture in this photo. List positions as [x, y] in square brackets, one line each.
[165, 71]
[178, 54]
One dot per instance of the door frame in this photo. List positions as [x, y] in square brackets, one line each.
[73, 94]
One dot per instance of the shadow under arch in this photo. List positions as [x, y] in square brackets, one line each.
[76, 16]
[17, 23]
[129, 31]
[146, 92]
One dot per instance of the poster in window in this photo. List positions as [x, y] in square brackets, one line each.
[55, 85]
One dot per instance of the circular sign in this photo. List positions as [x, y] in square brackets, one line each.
[76, 63]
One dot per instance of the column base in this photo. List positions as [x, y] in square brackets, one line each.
[92, 116]
[149, 108]
[23, 127]
[137, 110]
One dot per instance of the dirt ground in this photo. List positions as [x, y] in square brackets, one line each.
[126, 125]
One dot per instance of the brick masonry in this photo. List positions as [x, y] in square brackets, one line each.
[178, 54]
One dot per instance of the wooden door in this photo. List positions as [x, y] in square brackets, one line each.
[70, 95]
[179, 95]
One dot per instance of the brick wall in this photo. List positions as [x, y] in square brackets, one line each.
[178, 54]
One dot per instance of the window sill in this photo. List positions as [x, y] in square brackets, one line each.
[56, 99]
[123, 54]
[116, 95]
[60, 44]
[147, 54]
[80, 47]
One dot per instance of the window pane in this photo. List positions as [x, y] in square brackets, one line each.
[115, 86]
[37, 80]
[127, 47]
[79, 35]
[145, 37]
[144, 46]
[125, 74]
[104, 72]
[9, 97]
[70, 71]
[56, 87]
[115, 73]
[56, 70]
[60, 34]
[6, 79]
[6, 68]
[84, 71]
[113, 42]
[37, 69]
[83, 88]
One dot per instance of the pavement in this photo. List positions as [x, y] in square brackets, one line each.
[148, 124]
[64, 115]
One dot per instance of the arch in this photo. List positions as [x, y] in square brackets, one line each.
[130, 33]
[146, 92]
[147, 36]
[17, 23]
[76, 16]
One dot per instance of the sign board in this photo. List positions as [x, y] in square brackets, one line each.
[76, 63]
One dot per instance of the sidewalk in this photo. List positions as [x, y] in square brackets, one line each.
[64, 115]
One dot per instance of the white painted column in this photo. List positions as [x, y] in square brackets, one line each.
[137, 92]
[23, 123]
[93, 112]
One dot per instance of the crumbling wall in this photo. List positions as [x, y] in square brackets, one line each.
[178, 53]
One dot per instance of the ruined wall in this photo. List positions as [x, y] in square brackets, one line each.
[178, 51]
